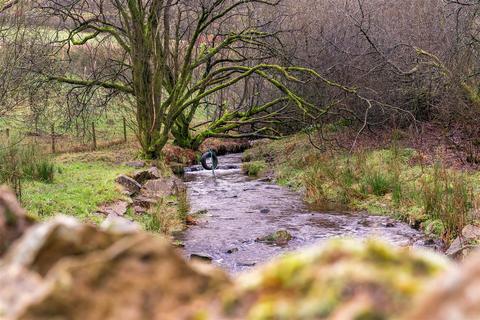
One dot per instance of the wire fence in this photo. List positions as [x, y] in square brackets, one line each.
[82, 137]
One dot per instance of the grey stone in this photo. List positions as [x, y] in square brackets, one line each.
[128, 184]
[144, 202]
[119, 225]
[201, 257]
[148, 174]
[135, 164]
[466, 242]
[118, 208]
[162, 187]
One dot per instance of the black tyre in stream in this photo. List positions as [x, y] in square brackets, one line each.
[204, 160]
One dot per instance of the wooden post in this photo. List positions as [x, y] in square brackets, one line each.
[94, 137]
[124, 129]
[53, 138]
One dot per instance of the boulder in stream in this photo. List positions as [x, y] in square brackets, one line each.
[279, 238]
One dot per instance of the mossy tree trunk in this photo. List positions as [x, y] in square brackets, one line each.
[170, 67]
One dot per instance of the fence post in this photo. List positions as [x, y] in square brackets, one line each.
[77, 128]
[124, 129]
[53, 138]
[94, 137]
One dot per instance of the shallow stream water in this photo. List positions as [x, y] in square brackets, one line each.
[236, 210]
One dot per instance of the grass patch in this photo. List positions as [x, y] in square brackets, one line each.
[78, 189]
[167, 216]
[254, 168]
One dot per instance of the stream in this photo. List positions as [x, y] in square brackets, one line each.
[234, 210]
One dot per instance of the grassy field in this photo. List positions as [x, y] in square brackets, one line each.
[78, 189]
[84, 181]
[387, 181]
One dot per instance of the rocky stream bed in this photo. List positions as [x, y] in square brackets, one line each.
[236, 214]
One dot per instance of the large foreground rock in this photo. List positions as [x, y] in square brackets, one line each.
[63, 269]
[13, 220]
[453, 296]
[343, 279]
[67, 270]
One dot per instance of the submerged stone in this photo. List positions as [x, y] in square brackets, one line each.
[280, 237]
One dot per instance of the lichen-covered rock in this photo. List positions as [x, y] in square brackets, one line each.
[279, 237]
[454, 295]
[13, 219]
[66, 270]
[344, 279]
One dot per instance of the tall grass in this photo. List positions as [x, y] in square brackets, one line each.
[24, 162]
[386, 178]
[447, 196]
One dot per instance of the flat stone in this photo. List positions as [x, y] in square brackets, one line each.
[118, 208]
[120, 225]
[144, 202]
[128, 184]
[135, 164]
[246, 263]
[148, 174]
[201, 256]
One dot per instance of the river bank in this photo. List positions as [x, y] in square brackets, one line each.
[390, 179]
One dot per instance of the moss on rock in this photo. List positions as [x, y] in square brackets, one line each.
[359, 280]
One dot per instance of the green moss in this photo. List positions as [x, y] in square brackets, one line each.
[339, 272]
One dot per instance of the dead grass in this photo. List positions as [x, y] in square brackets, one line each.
[392, 180]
